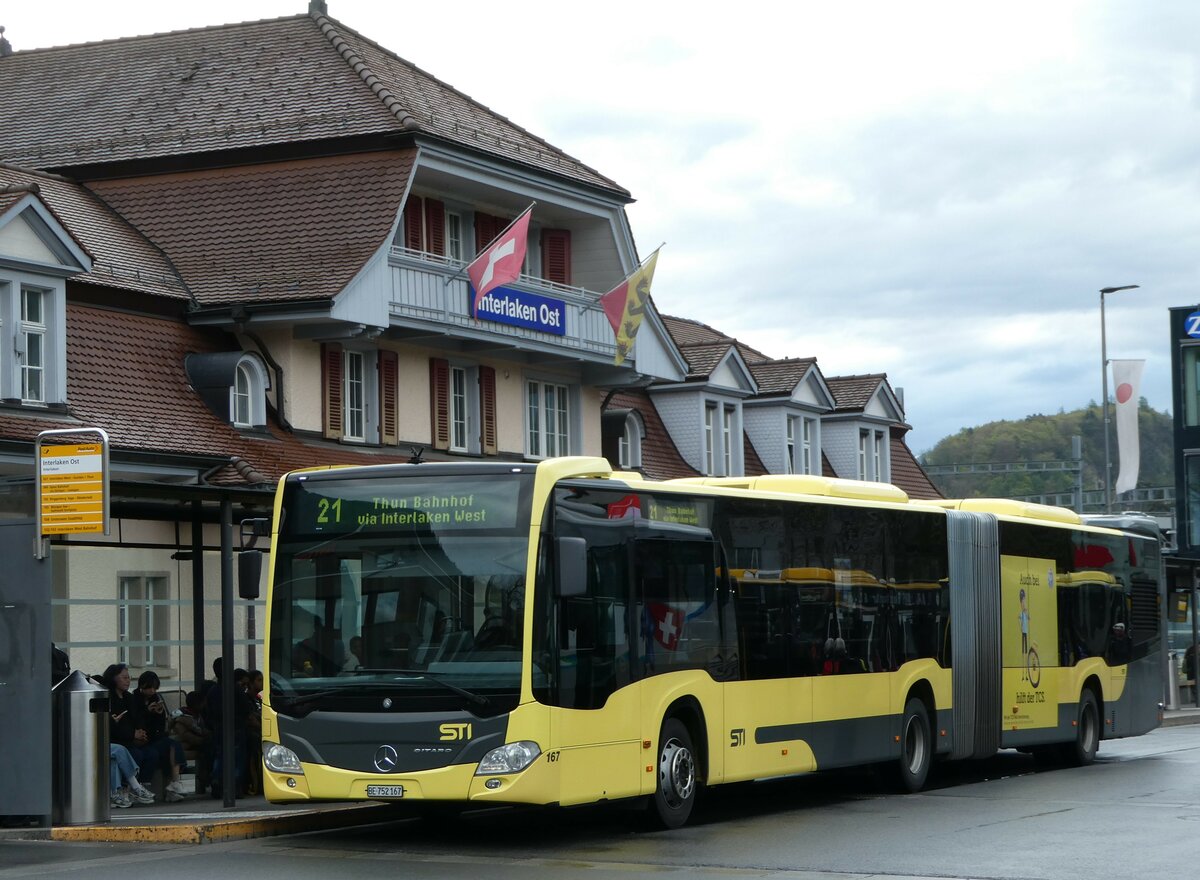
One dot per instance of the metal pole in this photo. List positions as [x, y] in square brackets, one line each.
[1195, 637]
[1104, 401]
[1077, 455]
[1104, 404]
[228, 750]
[199, 667]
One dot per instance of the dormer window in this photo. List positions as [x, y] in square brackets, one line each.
[233, 384]
[248, 396]
[37, 255]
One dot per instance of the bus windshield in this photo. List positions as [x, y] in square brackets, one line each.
[411, 585]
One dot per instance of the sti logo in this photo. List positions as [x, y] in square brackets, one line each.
[1191, 325]
[455, 731]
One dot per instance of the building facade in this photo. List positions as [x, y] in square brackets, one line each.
[241, 249]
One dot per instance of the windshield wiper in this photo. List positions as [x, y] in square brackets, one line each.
[469, 696]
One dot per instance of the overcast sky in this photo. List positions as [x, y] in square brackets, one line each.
[935, 190]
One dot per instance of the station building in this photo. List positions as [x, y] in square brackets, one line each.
[239, 250]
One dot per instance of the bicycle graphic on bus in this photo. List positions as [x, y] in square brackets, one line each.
[1033, 665]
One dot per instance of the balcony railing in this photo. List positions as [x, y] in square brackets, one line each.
[430, 290]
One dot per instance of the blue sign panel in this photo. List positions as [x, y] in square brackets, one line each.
[1191, 324]
[521, 309]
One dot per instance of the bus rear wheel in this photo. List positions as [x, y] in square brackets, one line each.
[1087, 732]
[675, 794]
[916, 747]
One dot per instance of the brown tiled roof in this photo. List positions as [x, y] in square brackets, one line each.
[125, 373]
[906, 470]
[685, 331]
[122, 256]
[780, 377]
[277, 231]
[703, 359]
[853, 393]
[439, 109]
[660, 457]
[262, 83]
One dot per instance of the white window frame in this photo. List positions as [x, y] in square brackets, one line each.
[710, 439]
[143, 615]
[248, 393]
[790, 460]
[32, 350]
[542, 439]
[459, 409]
[727, 433]
[863, 434]
[354, 412]
[15, 331]
[454, 236]
[629, 444]
[878, 458]
[807, 438]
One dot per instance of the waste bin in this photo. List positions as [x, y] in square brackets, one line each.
[80, 752]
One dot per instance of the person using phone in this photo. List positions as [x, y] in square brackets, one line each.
[161, 750]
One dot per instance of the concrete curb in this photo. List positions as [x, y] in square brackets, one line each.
[213, 831]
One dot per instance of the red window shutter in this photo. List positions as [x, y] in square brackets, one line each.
[556, 255]
[485, 230]
[413, 215]
[435, 227]
[487, 410]
[439, 402]
[331, 387]
[389, 380]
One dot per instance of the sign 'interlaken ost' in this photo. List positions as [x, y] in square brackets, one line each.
[523, 309]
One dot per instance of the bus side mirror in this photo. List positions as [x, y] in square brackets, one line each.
[249, 573]
[571, 566]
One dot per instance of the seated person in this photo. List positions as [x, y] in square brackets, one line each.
[151, 710]
[189, 729]
[124, 788]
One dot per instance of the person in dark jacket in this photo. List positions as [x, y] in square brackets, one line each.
[213, 715]
[152, 711]
[127, 726]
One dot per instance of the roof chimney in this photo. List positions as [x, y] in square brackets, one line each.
[5, 45]
[317, 7]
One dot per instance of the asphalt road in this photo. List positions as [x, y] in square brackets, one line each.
[1135, 813]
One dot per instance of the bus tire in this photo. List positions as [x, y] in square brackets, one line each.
[677, 777]
[916, 747]
[1087, 732]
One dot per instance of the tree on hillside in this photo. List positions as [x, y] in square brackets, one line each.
[1048, 438]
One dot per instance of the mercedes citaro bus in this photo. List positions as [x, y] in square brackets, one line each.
[560, 633]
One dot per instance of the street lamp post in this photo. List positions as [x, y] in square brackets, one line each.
[1104, 394]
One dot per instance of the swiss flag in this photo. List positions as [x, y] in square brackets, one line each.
[667, 623]
[501, 261]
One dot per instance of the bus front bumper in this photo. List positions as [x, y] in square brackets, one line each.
[537, 784]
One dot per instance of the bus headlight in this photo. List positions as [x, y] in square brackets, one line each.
[512, 758]
[281, 760]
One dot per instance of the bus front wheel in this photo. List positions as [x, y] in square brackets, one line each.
[675, 793]
[916, 746]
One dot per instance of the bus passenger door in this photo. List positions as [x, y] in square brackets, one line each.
[596, 732]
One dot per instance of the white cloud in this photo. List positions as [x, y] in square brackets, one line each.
[935, 190]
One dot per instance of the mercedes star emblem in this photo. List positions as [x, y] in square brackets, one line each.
[385, 759]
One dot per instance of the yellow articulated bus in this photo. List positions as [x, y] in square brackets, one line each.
[559, 633]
